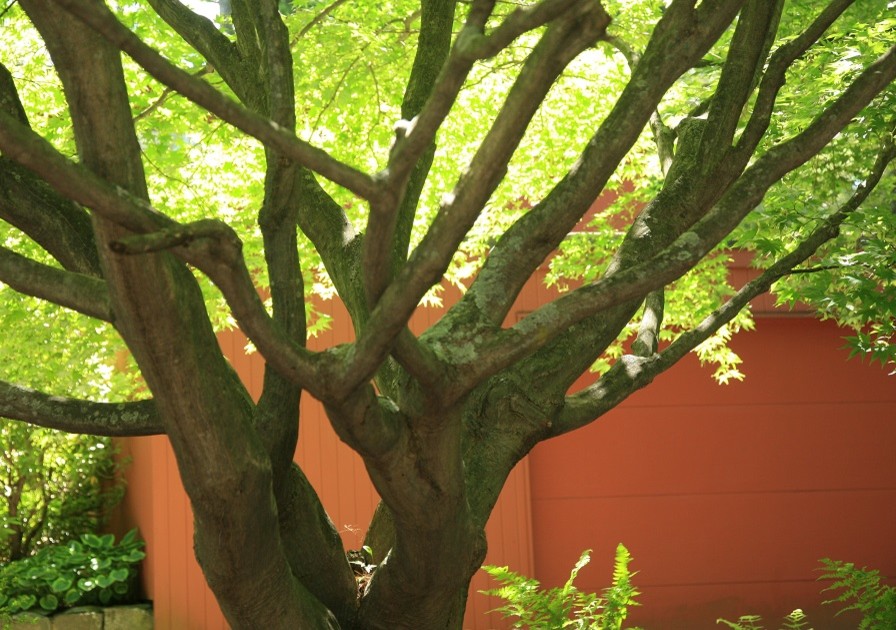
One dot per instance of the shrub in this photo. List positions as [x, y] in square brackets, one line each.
[90, 571]
[566, 606]
[55, 486]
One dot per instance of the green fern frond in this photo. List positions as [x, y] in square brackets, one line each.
[796, 620]
[861, 590]
[744, 622]
[566, 606]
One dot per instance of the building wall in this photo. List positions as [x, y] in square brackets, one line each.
[727, 496]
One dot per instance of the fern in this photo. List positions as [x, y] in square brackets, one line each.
[622, 593]
[566, 606]
[861, 591]
[744, 622]
[794, 621]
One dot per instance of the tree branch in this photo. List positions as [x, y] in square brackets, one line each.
[99, 18]
[385, 246]
[471, 45]
[163, 97]
[277, 411]
[28, 204]
[679, 40]
[79, 416]
[214, 247]
[416, 136]
[52, 221]
[381, 258]
[753, 37]
[647, 340]
[317, 19]
[631, 373]
[210, 245]
[774, 76]
[76, 182]
[86, 294]
[562, 41]
[635, 281]
[223, 55]
[9, 97]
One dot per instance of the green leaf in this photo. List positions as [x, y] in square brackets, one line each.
[86, 584]
[26, 602]
[71, 597]
[92, 540]
[49, 603]
[61, 584]
[128, 538]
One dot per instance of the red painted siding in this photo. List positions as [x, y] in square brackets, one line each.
[728, 496]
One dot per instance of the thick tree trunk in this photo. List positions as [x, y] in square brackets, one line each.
[423, 582]
[160, 313]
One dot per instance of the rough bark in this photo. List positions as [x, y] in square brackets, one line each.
[440, 420]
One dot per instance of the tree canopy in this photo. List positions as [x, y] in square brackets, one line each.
[172, 168]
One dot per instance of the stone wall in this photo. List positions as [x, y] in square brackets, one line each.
[137, 617]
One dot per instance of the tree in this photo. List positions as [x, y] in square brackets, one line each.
[266, 156]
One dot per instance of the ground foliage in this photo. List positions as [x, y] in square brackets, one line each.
[531, 606]
[56, 487]
[227, 168]
[90, 570]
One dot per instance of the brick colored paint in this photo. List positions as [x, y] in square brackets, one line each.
[728, 496]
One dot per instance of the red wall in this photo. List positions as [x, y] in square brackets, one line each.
[727, 496]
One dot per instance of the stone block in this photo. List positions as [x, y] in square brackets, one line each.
[27, 621]
[80, 618]
[138, 617]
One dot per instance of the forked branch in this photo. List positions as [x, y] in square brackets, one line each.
[634, 282]
[773, 78]
[635, 372]
[563, 40]
[99, 18]
[210, 245]
[680, 39]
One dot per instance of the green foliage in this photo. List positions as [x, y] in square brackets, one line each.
[351, 66]
[55, 486]
[794, 621]
[567, 606]
[862, 591]
[90, 571]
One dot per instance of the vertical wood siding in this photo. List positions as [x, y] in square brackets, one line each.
[727, 497]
